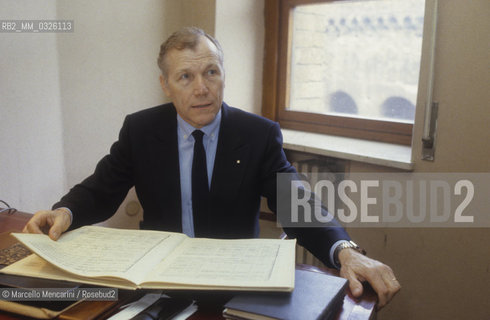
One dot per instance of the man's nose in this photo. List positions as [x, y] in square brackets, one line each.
[200, 86]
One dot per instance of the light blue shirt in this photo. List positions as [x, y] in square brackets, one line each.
[186, 154]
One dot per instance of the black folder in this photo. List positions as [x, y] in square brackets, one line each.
[315, 296]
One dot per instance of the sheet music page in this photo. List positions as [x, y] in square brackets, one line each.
[37, 267]
[238, 263]
[93, 251]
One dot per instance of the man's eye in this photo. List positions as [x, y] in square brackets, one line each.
[185, 76]
[212, 72]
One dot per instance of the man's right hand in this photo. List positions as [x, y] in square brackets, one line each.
[51, 222]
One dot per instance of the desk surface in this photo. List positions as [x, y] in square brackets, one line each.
[352, 308]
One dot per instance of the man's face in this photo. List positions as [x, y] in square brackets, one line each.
[195, 82]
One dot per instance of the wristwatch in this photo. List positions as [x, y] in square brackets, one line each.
[344, 245]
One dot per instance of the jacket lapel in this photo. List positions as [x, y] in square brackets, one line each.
[167, 173]
[231, 158]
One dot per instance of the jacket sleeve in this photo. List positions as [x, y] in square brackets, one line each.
[318, 240]
[98, 196]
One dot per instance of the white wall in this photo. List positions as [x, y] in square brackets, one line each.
[107, 70]
[32, 172]
[240, 30]
[63, 97]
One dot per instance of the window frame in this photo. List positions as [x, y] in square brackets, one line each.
[276, 78]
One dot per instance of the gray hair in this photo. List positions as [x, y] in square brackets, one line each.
[185, 38]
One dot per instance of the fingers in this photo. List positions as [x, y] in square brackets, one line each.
[38, 221]
[384, 283]
[355, 285]
[389, 287]
[53, 223]
[357, 267]
[59, 226]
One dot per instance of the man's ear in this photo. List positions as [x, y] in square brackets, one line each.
[164, 85]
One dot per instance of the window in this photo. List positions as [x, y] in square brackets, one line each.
[348, 68]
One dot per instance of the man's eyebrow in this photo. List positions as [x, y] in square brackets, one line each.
[183, 70]
[212, 65]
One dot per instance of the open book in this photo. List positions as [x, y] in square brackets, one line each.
[131, 259]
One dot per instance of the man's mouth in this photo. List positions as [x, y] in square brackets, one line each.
[201, 106]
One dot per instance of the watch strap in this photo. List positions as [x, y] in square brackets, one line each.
[346, 245]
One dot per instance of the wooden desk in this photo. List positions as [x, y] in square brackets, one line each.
[351, 309]
[14, 222]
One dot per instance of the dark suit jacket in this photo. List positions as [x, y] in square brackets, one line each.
[146, 156]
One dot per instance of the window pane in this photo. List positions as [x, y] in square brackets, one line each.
[357, 58]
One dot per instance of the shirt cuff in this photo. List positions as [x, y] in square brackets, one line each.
[332, 251]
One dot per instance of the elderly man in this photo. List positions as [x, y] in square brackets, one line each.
[200, 167]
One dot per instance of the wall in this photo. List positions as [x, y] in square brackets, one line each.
[32, 170]
[107, 70]
[461, 88]
[198, 13]
[240, 31]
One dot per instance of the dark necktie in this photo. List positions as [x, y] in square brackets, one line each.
[200, 187]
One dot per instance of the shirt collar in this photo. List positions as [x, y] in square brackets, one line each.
[210, 130]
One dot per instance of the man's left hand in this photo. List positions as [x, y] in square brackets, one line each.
[357, 268]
